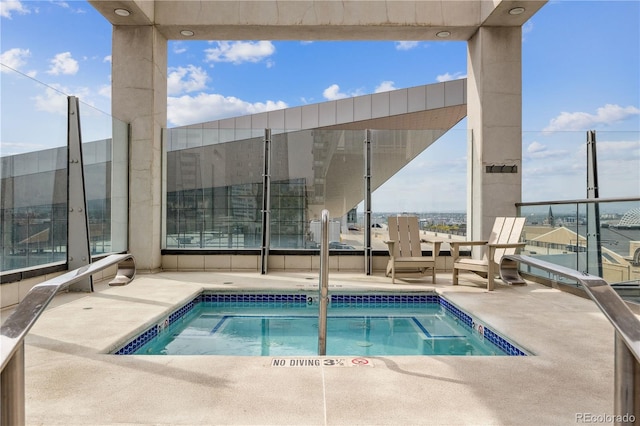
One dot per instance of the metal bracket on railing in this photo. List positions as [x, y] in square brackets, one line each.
[15, 328]
[624, 321]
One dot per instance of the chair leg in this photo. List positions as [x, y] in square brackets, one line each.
[455, 276]
[490, 277]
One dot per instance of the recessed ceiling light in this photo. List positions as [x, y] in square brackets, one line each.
[516, 11]
[122, 12]
[187, 33]
[443, 34]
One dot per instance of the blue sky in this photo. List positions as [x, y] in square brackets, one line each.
[581, 71]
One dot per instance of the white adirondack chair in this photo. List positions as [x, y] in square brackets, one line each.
[504, 239]
[405, 251]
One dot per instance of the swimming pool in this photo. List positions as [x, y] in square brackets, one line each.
[366, 324]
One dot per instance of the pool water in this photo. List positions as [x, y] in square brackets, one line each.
[355, 326]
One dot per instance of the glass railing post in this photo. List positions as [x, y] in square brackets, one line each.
[78, 252]
[266, 202]
[367, 203]
[594, 243]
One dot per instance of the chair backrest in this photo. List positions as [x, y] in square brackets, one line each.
[506, 230]
[405, 232]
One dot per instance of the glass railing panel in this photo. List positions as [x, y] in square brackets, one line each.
[558, 233]
[618, 155]
[312, 170]
[554, 166]
[422, 173]
[213, 193]
[105, 155]
[551, 234]
[33, 200]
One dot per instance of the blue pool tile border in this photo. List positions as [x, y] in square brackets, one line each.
[257, 300]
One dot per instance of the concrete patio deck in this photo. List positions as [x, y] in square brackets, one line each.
[71, 380]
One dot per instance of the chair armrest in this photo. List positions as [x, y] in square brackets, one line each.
[492, 248]
[390, 244]
[468, 243]
[507, 245]
[455, 247]
[436, 242]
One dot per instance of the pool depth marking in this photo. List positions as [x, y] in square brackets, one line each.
[322, 362]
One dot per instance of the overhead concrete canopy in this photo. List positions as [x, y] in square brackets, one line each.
[319, 19]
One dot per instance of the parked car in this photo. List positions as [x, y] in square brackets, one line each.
[336, 245]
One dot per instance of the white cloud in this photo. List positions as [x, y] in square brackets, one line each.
[238, 52]
[186, 80]
[333, 92]
[62, 4]
[63, 63]
[54, 100]
[179, 47]
[605, 115]
[537, 150]
[535, 147]
[107, 59]
[619, 151]
[105, 91]
[385, 86]
[406, 45]
[448, 77]
[7, 7]
[14, 58]
[204, 107]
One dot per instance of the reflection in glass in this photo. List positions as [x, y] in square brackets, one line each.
[214, 195]
[312, 170]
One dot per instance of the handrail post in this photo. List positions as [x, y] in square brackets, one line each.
[626, 384]
[324, 284]
[626, 394]
[12, 389]
[15, 328]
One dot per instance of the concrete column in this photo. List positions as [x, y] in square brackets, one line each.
[494, 114]
[139, 90]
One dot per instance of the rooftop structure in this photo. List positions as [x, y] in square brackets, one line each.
[493, 31]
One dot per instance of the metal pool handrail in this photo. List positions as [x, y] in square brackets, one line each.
[624, 321]
[324, 284]
[17, 326]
